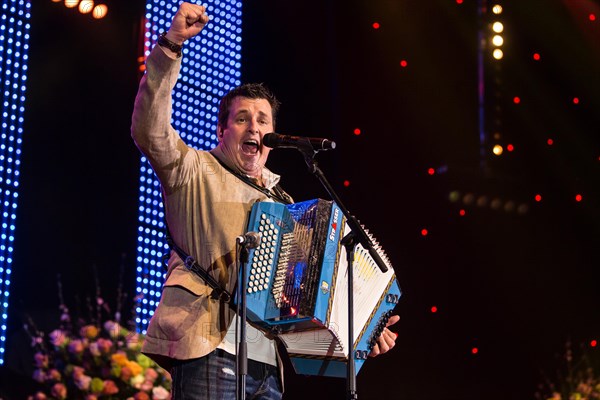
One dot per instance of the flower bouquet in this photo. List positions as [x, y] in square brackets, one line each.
[100, 360]
[579, 379]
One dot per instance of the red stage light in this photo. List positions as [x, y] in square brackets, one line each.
[592, 17]
[538, 198]
[376, 25]
[424, 232]
[462, 213]
[575, 100]
[536, 56]
[459, 1]
[357, 131]
[403, 63]
[346, 183]
[578, 198]
[550, 142]
[431, 171]
[474, 350]
[516, 100]
[593, 343]
[434, 309]
[510, 147]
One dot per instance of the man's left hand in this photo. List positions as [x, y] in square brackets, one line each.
[387, 340]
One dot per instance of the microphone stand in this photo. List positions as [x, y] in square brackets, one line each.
[242, 351]
[356, 236]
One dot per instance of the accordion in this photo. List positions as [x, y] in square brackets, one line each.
[297, 286]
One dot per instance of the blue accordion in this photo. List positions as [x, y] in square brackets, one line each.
[297, 286]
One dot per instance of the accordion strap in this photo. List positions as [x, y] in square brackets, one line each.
[277, 194]
[192, 265]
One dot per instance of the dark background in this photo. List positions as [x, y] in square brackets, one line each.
[515, 285]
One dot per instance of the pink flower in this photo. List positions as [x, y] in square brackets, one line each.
[126, 374]
[58, 338]
[83, 382]
[110, 387]
[160, 393]
[104, 345]
[54, 375]
[147, 386]
[40, 360]
[76, 346]
[78, 372]
[39, 375]
[94, 349]
[141, 396]
[59, 391]
[151, 374]
[113, 328]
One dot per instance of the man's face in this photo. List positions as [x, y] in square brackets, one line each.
[248, 121]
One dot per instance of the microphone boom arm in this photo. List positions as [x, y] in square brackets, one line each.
[357, 230]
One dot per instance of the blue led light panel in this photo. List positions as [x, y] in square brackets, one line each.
[211, 67]
[14, 44]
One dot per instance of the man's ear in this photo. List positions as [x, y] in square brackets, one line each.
[219, 132]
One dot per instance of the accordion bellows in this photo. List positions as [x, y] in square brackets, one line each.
[297, 286]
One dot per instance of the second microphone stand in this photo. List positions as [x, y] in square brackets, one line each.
[242, 350]
[356, 236]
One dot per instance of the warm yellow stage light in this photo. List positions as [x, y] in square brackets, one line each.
[86, 6]
[497, 27]
[498, 150]
[497, 9]
[454, 196]
[498, 54]
[56, 1]
[71, 3]
[497, 40]
[100, 11]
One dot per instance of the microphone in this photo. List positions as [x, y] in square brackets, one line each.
[250, 240]
[275, 140]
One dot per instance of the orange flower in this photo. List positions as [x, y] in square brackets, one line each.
[120, 359]
[88, 331]
[135, 368]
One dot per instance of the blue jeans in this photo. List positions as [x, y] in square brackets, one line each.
[213, 377]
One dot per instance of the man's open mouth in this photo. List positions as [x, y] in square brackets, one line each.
[250, 147]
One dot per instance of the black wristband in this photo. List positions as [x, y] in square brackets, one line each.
[164, 42]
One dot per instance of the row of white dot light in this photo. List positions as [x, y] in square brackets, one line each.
[497, 39]
[211, 67]
[14, 38]
[498, 54]
[86, 6]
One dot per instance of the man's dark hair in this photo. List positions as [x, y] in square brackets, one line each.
[250, 91]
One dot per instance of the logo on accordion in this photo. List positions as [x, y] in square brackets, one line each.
[336, 214]
[324, 287]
